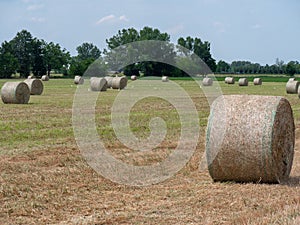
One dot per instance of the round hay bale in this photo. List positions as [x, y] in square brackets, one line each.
[98, 84]
[119, 82]
[257, 81]
[243, 82]
[15, 93]
[207, 81]
[292, 87]
[250, 139]
[164, 78]
[292, 79]
[45, 78]
[36, 86]
[133, 77]
[78, 80]
[229, 80]
[109, 81]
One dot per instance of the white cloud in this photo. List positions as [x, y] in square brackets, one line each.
[35, 7]
[38, 19]
[176, 29]
[112, 18]
[106, 19]
[256, 26]
[124, 18]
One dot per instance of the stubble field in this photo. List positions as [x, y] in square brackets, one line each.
[44, 179]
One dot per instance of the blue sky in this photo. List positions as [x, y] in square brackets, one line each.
[255, 30]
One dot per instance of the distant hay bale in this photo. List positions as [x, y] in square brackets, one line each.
[229, 80]
[45, 78]
[243, 82]
[207, 81]
[15, 93]
[36, 86]
[250, 139]
[292, 87]
[109, 81]
[119, 82]
[78, 80]
[164, 78]
[98, 84]
[133, 77]
[30, 77]
[257, 81]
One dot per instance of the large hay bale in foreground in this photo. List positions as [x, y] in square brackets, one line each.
[292, 87]
[133, 77]
[229, 80]
[98, 84]
[250, 139]
[109, 81]
[164, 78]
[119, 82]
[36, 86]
[78, 80]
[243, 82]
[15, 93]
[207, 81]
[45, 78]
[257, 81]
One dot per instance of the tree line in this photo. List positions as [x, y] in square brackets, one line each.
[25, 54]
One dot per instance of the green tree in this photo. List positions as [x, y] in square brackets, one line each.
[37, 55]
[88, 51]
[22, 47]
[201, 49]
[8, 62]
[222, 67]
[291, 68]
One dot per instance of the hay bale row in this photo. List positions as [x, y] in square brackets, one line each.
[250, 139]
[243, 81]
[15, 93]
[98, 84]
[207, 81]
[78, 80]
[35, 86]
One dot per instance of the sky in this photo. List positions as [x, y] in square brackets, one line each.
[254, 30]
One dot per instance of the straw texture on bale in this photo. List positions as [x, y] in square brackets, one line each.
[15, 93]
[133, 77]
[250, 139]
[292, 87]
[45, 78]
[109, 81]
[98, 84]
[164, 78]
[78, 80]
[229, 80]
[119, 82]
[207, 81]
[36, 86]
[243, 82]
[257, 81]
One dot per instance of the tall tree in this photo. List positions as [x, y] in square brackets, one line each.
[8, 62]
[291, 68]
[222, 67]
[37, 55]
[88, 51]
[201, 49]
[22, 45]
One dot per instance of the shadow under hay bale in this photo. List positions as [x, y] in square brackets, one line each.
[36, 86]
[78, 80]
[229, 80]
[292, 87]
[250, 139]
[98, 84]
[257, 81]
[243, 82]
[15, 93]
[207, 81]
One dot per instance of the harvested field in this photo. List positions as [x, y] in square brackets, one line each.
[45, 180]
